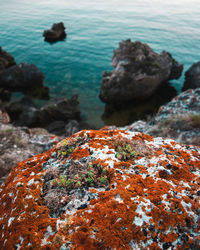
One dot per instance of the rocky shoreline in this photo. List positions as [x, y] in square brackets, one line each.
[130, 187]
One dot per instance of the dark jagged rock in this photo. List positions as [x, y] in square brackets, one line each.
[138, 72]
[57, 32]
[131, 112]
[24, 112]
[60, 110]
[192, 77]
[5, 95]
[25, 78]
[6, 60]
[60, 116]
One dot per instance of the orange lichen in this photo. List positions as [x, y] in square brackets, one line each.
[149, 198]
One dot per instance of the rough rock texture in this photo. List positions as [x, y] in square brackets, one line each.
[138, 72]
[25, 78]
[192, 77]
[6, 60]
[60, 116]
[57, 32]
[179, 119]
[20, 143]
[104, 190]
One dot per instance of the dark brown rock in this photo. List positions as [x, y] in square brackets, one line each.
[138, 72]
[57, 32]
[192, 77]
[26, 78]
[6, 60]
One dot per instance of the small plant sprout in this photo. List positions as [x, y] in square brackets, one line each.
[103, 180]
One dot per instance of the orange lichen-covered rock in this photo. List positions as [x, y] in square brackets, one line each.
[125, 190]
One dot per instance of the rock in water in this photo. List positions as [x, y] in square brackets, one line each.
[6, 60]
[57, 32]
[192, 77]
[104, 190]
[25, 78]
[138, 72]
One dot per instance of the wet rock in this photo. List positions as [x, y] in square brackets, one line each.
[25, 78]
[6, 60]
[138, 72]
[134, 111]
[5, 95]
[60, 110]
[24, 112]
[192, 77]
[57, 32]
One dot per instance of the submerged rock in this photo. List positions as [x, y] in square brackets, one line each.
[57, 32]
[104, 190]
[25, 78]
[138, 72]
[192, 77]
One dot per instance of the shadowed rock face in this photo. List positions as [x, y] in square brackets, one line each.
[192, 77]
[57, 32]
[6, 60]
[25, 78]
[138, 72]
[104, 190]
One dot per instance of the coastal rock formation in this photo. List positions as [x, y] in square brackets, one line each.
[6, 60]
[61, 109]
[179, 119]
[25, 78]
[60, 116]
[20, 143]
[57, 32]
[138, 72]
[104, 190]
[192, 77]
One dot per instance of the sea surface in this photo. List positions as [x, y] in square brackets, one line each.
[94, 28]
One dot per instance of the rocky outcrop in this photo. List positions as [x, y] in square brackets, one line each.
[60, 116]
[25, 78]
[6, 60]
[192, 77]
[104, 190]
[179, 119]
[20, 143]
[57, 32]
[138, 72]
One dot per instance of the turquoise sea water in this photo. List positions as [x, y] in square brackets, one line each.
[94, 29]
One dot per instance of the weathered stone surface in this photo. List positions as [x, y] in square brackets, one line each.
[192, 77]
[20, 143]
[25, 78]
[179, 119]
[6, 60]
[138, 72]
[57, 32]
[104, 190]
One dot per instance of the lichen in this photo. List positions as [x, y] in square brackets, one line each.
[149, 200]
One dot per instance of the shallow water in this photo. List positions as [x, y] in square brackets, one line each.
[94, 29]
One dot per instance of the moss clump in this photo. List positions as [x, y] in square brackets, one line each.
[125, 151]
[91, 175]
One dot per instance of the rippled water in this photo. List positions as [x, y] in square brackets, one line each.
[94, 29]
